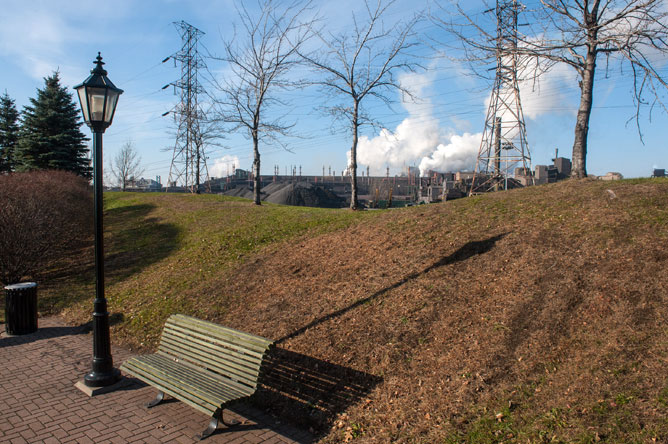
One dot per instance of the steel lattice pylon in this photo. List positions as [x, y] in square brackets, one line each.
[504, 143]
[188, 166]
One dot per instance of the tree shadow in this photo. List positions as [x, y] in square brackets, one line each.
[309, 391]
[137, 242]
[548, 316]
[468, 250]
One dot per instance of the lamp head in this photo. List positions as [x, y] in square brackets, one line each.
[98, 97]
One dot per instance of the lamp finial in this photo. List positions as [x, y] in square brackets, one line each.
[98, 68]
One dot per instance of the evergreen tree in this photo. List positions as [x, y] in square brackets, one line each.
[50, 136]
[9, 133]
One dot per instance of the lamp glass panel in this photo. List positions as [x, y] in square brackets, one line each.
[111, 106]
[96, 101]
[83, 102]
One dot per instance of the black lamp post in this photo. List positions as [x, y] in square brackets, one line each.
[98, 98]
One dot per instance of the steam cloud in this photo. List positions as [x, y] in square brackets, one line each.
[418, 139]
[458, 155]
[223, 166]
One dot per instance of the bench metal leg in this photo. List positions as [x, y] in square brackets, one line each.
[158, 399]
[213, 425]
[217, 417]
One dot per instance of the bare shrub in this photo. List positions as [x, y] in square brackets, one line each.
[43, 215]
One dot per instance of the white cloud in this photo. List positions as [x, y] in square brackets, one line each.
[35, 40]
[551, 93]
[38, 35]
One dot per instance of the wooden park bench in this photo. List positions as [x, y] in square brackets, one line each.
[203, 364]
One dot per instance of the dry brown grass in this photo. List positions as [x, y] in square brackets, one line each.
[535, 315]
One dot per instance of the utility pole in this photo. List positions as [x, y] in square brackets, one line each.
[188, 159]
[504, 144]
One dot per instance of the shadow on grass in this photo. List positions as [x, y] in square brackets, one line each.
[309, 391]
[136, 242]
[468, 250]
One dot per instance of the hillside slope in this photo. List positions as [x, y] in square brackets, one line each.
[536, 315]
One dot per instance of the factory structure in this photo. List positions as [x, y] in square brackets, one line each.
[408, 188]
[332, 190]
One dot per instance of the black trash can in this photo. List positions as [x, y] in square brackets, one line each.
[21, 308]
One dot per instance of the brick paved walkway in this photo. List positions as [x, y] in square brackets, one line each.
[39, 403]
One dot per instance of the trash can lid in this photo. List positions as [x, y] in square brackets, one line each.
[21, 286]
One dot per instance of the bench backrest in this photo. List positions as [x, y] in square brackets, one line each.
[231, 353]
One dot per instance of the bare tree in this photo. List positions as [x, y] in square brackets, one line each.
[125, 167]
[362, 64]
[259, 58]
[627, 33]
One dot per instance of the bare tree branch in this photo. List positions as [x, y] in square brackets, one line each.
[362, 63]
[260, 57]
[575, 32]
[125, 167]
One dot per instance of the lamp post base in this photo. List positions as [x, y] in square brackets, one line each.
[102, 379]
[94, 391]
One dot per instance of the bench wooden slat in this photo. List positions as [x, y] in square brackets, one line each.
[185, 382]
[216, 329]
[184, 332]
[248, 340]
[209, 346]
[158, 374]
[169, 388]
[225, 335]
[229, 384]
[214, 387]
[245, 375]
[203, 351]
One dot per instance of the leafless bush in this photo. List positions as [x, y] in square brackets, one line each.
[43, 214]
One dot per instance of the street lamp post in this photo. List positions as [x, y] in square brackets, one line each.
[98, 98]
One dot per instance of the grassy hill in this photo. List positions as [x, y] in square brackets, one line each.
[534, 315]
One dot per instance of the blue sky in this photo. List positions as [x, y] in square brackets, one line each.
[441, 130]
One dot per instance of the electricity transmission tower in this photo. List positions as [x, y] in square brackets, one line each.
[188, 167]
[504, 143]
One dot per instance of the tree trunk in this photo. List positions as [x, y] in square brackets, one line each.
[353, 161]
[579, 170]
[256, 170]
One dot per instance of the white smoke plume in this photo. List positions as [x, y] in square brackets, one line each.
[223, 166]
[458, 155]
[420, 140]
[417, 140]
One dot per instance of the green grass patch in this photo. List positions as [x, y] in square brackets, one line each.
[163, 249]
